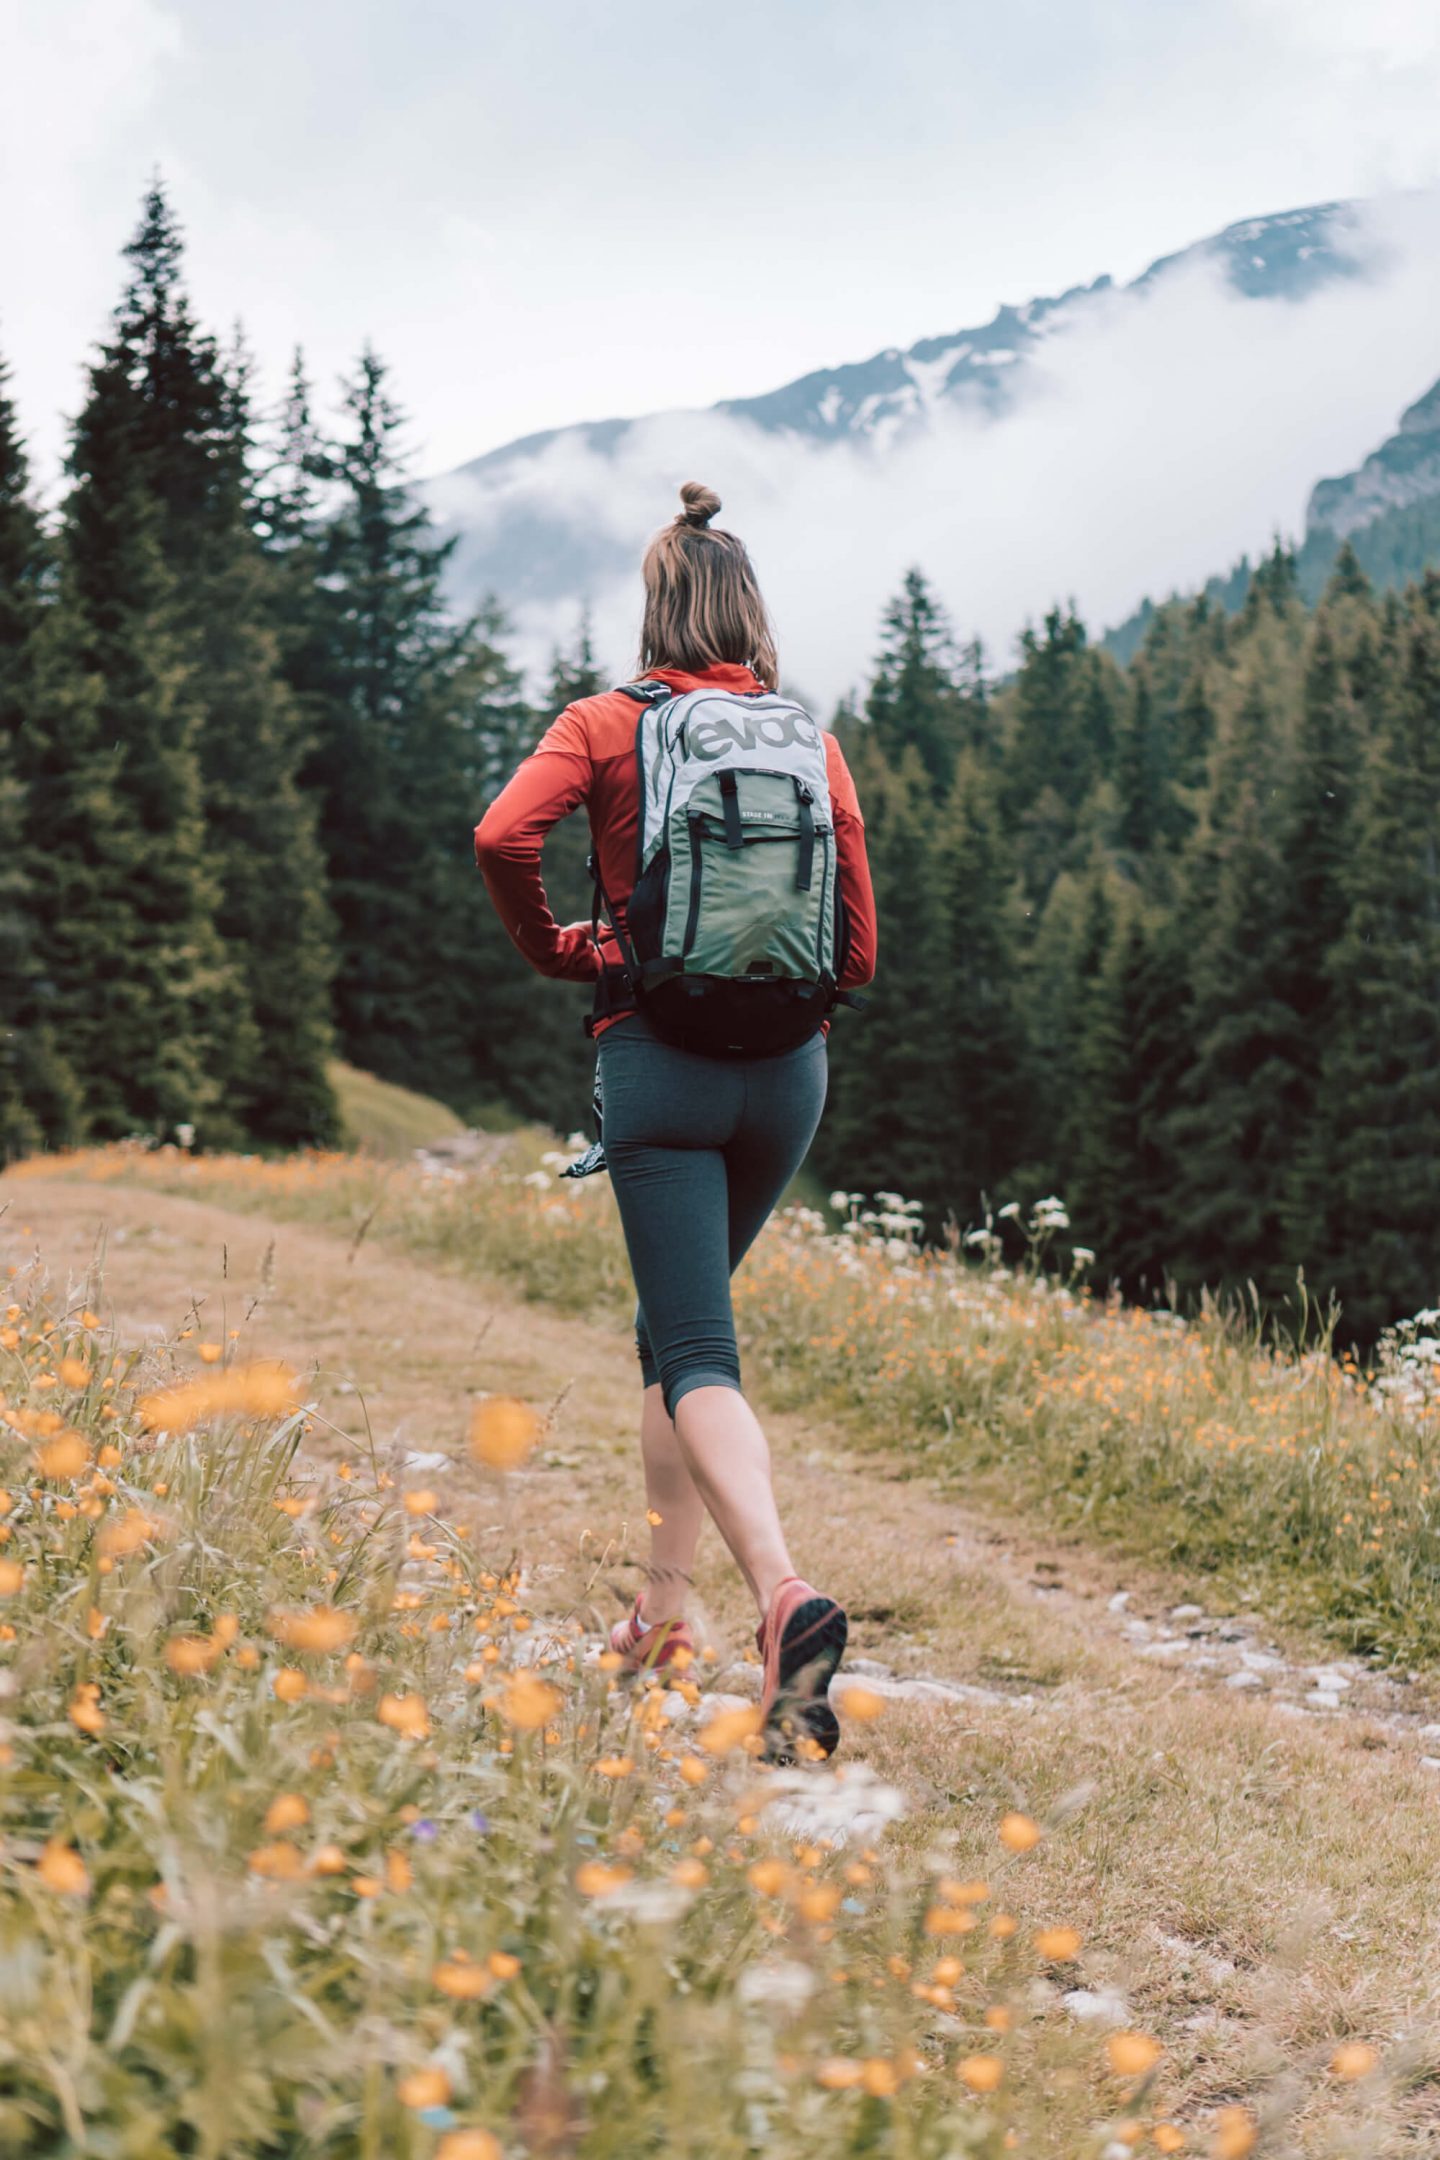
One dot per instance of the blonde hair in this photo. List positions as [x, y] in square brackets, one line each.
[702, 603]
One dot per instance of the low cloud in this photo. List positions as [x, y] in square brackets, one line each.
[1158, 435]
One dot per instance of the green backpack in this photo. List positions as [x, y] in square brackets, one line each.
[736, 929]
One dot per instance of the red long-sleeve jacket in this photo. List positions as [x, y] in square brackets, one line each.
[588, 756]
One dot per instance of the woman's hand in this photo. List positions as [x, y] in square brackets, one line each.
[578, 959]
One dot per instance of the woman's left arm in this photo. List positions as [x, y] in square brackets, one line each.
[855, 887]
[553, 781]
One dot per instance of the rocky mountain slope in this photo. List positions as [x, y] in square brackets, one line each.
[1387, 510]
[1403, 472]
[1084, 443]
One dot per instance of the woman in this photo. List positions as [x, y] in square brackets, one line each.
[699, 1148]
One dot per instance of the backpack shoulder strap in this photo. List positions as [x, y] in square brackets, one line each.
[646, 693]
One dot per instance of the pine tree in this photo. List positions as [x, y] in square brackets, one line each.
[1142, 765]
[138, 975]
[1384, 1070]
[1120, 1174]
[915, 701]
[37, 1093]
[573, 672]
[1329, 756]
[1103, 1144]
[1060, 734]
[897, 1055]
[1233, 1131]
[1062, 970]
[981, 1122]
[417, 719]
[270, 1031]
[261, 838]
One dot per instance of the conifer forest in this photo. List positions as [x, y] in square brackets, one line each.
[1161, 938]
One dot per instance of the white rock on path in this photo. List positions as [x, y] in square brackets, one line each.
[1096, 2006]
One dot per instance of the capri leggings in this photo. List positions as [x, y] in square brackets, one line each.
[699, 1151]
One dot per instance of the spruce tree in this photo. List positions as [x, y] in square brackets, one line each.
[418, 718]
[270, 1029]
[38, 1099]
[139, 981]
[261, 830]
[1059, 739]
[897, 1055]
[1119, 1175]
[915, 700]
[1142, 767]
[1233, 1131]
[983, 1082]
[1331, 742]
[1062, 970]
[1383, 1074]
[573, 670]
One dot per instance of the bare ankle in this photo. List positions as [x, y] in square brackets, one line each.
[663, 1598]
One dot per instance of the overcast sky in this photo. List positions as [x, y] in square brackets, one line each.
[554, 210]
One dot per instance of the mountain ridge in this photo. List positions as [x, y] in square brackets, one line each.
[815, 401]
[1101, 442]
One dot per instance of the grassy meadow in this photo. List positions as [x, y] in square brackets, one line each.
[327, 1831]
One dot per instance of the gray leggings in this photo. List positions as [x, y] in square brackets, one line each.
[699, 1151]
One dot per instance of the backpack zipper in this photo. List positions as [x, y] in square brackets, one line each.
[692, 919]
[824, 901]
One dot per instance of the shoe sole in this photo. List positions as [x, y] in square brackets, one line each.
[810, 1650]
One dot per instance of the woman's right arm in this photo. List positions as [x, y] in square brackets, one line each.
[553, 781]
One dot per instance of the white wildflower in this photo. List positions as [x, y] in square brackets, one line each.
[780, 1984]
[653, 1904]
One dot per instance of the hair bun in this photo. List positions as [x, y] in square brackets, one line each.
[701, 504]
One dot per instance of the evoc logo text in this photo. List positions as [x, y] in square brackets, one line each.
[712, 738]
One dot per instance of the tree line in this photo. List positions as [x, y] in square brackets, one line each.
[242, 740]
[1163, 938]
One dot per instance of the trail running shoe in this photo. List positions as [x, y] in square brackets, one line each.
[646, 1649]
[802, 1640]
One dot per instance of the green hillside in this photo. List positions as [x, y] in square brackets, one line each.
[384, 1119]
